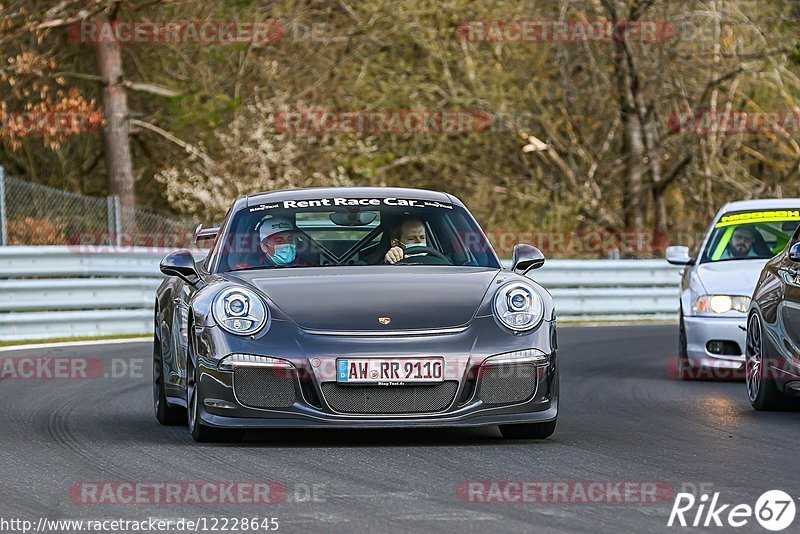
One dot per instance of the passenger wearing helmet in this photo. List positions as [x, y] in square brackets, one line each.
[276, 245]
[276, 240]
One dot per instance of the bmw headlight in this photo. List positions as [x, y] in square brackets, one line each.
[719, 304]
[518, 306]
[239, 311]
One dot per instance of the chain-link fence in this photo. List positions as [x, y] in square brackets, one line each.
[34, 214]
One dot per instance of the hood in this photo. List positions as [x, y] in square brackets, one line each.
[352, 299]
[735, 277]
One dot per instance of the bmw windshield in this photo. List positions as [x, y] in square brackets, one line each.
[751, 235]
[352, 231]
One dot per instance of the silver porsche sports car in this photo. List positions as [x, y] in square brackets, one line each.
[353, 308]
[719, 281]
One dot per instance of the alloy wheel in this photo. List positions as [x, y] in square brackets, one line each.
[753, 358]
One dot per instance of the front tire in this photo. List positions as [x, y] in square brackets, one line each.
[686, 371]
[529, 430]
[165, 414]
[761, 388]
[200, 432]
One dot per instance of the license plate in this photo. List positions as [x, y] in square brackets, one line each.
[394, 371]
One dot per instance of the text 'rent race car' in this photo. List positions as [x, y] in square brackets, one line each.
[353, 307]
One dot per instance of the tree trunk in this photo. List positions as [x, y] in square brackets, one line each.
[633, 147]
[116, 141]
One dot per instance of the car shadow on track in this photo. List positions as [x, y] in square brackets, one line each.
[372, 437]
[375, 437]
[143, 429]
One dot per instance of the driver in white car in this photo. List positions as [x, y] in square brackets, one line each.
[741, 245]
[409, 236]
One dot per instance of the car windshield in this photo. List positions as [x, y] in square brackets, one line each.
[750, 235]
[352, 231]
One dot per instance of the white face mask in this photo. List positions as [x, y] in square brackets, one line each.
[284, 254]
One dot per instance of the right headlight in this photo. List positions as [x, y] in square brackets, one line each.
[719, 304]
[518, 306]
[239, 311]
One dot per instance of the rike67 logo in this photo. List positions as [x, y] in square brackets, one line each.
[774, 510]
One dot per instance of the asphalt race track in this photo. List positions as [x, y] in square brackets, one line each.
[623, 417]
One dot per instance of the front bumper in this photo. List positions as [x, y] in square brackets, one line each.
[298, 420]
[304, 403]
[701, 330]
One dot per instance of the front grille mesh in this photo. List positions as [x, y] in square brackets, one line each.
[264, 387]
[507, 383]
[389, 399]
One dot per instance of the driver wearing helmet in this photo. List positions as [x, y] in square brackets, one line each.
[405, 239]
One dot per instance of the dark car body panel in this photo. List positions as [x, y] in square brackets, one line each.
[776, 300]
[352, 298]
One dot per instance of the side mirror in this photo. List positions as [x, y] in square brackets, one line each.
[181, 264]
[526, 257]
[202, 234]
[679, 256]
[794, 252]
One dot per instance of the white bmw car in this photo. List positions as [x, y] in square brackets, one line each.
[719, 281]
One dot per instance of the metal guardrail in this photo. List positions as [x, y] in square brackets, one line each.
[611, 290]
[66, 262]
[56, 292]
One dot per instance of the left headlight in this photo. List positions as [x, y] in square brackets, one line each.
[518, 306]
[239, 311]
[719, 304]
